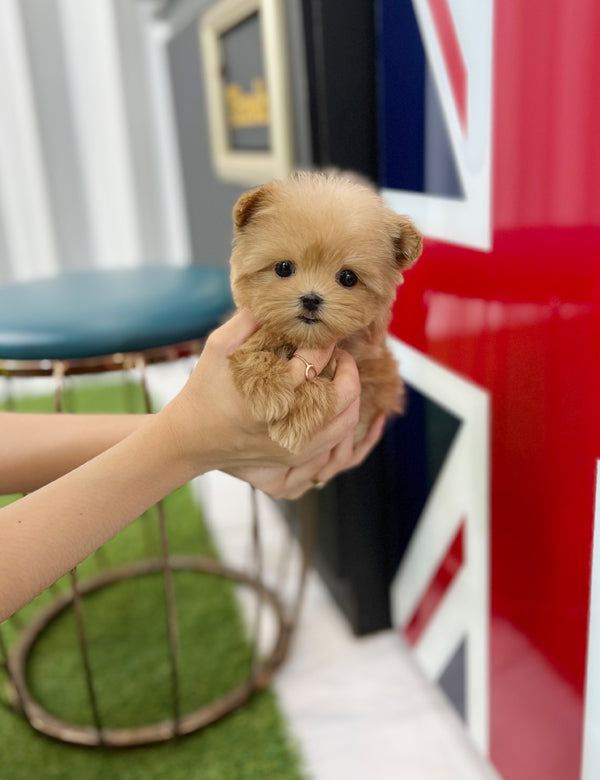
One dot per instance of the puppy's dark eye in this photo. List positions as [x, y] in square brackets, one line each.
[347, 278]
[285, 268]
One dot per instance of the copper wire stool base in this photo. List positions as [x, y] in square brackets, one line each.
[261, 669]
[51, 726]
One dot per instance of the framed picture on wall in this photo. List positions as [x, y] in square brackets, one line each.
[246, 75]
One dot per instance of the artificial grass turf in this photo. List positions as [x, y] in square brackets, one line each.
[126, 623]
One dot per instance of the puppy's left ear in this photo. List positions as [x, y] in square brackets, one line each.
[408, 242]
[247, 206]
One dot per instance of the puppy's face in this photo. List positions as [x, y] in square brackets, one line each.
[318, 257]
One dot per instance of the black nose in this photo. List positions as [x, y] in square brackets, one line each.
[311, 302]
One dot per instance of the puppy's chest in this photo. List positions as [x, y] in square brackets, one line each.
[362, 347]
[285, 351]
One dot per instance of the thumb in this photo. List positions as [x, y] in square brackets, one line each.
[234, 332]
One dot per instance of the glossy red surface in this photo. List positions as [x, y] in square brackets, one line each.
[524, 322]
[452, 55]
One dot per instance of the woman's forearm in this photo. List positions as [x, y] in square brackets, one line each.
[48, 532]
[36, 449]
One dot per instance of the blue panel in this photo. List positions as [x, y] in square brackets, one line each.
[414, 148]
[453, 680]
[417, 444]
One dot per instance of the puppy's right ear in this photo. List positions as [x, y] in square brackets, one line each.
[407, 240]
[247, 206]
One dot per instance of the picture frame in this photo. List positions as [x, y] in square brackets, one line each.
[244, 56]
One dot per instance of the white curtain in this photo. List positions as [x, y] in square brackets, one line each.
[89, 169]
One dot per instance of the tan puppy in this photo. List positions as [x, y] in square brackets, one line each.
[317, 259]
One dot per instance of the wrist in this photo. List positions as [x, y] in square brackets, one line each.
[188, 447]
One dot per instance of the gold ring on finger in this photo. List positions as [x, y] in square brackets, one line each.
[308, 368]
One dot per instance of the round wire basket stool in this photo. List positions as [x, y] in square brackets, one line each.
[268, 597]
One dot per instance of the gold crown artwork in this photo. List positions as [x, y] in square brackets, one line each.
[247, 109]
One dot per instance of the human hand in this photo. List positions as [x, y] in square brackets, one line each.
[292, 482]
[214, 429]
[330, 451]
[209, 420]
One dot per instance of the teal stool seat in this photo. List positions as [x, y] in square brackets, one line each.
[103, 312]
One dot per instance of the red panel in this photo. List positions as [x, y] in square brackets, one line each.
[452, 54]
[526, 325]
[524, 322]
[547, 116]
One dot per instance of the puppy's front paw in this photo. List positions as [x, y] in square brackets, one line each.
[314, 406]
[262, 378]
[284, 433]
